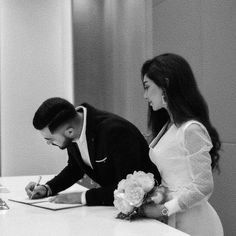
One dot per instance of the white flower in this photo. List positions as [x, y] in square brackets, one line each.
[131, 191]
[159, 194]
[157, 198]
[121, 185]
[134, 195]
[122, 205]
[146, 181]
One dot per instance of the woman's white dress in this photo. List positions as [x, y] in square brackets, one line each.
[183, 159]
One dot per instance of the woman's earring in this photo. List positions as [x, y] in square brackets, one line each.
[163, 100]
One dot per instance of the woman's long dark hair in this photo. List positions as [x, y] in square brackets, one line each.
[174, 76]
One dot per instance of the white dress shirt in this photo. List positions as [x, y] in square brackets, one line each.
[83, 147]
[82, 141]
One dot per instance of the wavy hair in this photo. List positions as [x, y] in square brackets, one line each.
[174, 76]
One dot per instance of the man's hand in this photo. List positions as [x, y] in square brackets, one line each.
[69, 198]
[35, 192]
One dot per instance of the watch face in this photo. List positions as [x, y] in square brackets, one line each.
[164, 211]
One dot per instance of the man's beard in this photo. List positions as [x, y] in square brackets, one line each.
[65, 144]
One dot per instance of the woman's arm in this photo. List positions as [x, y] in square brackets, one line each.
[197, 144]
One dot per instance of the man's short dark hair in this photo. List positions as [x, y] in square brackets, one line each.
[53, 113]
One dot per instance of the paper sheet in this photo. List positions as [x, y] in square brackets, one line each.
[44, 203]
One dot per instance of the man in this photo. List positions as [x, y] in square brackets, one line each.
[102, 145]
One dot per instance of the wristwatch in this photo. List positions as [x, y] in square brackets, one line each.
[164, 211]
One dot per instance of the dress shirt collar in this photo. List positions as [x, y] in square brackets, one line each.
[82, 137]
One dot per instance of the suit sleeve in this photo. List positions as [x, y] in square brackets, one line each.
[124, 152]
[67, 177]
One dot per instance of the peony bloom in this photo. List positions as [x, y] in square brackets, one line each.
[134, 194]
[158, 195]
[134, 191]
[121, 185]
[122, 205]
[146, 181]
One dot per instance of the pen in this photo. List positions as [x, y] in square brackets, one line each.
[39, 179]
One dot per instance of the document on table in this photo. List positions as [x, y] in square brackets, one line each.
[44, 203]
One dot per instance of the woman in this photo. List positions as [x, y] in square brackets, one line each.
[184, 148]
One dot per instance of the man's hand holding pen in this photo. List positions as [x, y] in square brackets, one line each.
[35, 190]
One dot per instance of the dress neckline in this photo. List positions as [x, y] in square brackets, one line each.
[160, 135]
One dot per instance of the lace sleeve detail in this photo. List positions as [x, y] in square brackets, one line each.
[197, 144]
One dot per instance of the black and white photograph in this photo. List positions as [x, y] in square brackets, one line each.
[117, 117]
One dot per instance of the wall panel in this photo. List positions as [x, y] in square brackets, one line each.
[203, 31]
[36, 64]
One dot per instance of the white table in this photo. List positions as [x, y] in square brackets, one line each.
[24, 220]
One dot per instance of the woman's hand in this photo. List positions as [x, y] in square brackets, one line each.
[154, 211]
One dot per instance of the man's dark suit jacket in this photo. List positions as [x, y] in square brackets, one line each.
[116, 148]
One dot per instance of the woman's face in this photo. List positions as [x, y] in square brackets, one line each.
[153, 94]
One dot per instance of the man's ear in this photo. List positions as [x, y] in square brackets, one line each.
[69, 132]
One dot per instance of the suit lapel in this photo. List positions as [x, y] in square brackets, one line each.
[75, 152]
[91, 149]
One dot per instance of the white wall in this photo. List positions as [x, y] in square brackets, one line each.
[36, 63]
[203, 31]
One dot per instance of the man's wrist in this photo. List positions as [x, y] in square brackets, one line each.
[48, 190]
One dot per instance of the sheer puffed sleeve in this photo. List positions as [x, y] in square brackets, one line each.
[197, 144]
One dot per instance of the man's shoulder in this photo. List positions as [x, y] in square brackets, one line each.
[106, 120]
[102, 116]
